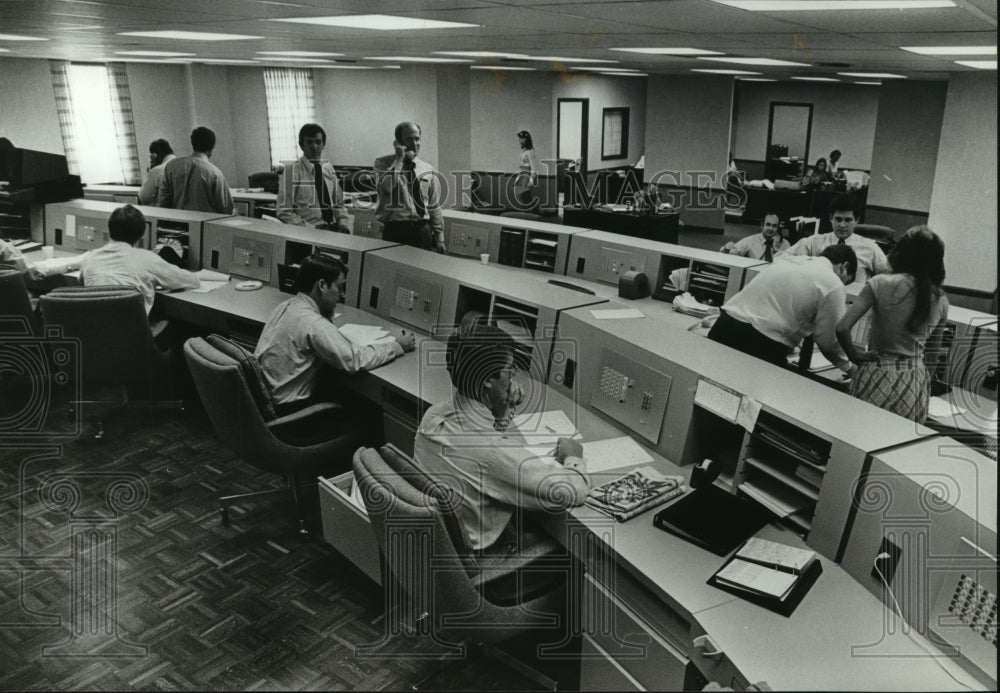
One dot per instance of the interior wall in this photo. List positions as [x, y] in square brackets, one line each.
[28, 105]
[359, 109]
[502, 104]
[905, 152]
[159, 96]
[844, 118]
[964, 199]
[454, 117]
[603, 91]
[250, 137]
[211, 107]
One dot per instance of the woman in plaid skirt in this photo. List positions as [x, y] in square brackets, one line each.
[906, 306]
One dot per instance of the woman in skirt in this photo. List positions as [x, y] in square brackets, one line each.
[906, 306]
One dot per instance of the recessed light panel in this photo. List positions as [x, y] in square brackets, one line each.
[725, 72]
[816, 79]
[155, 54]
[283, 59]
[376, 22]
[301, 54]
[951, 50]
[19, 37]
[558, 59]
[820, 5]
[768, 62]
[668, 51]
[624, 74]
[189, 35]
[979, 64]
[483, 54]
[417, 59]
[872, 75]
[504, 68]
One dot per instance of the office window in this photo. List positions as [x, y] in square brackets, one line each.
[290, 105]
[614, 136]
[96, 121]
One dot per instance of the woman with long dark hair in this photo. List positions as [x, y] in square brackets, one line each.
[526, 177]
[906, 306]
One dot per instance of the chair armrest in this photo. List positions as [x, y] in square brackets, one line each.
[302, 414]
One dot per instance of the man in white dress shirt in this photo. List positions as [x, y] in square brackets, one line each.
[308, 199]
[160, 154]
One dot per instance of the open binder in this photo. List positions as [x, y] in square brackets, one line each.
[769, 574]
[713, 519]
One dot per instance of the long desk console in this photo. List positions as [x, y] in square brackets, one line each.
[83, 225]
[248, 203]
[661, 227]
[271, 252]
[512, 242]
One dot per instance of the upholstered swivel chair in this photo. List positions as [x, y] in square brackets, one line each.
[884, 237]
[118, 349]
[17, 315]
[452, 594]
[264, 179]
[299, 446]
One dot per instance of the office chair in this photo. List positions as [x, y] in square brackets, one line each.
[264, 179]
[318, 439]
[17, 314]
[118, 349]
[884, 237]
[455, 595]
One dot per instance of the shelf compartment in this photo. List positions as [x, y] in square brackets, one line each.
[792, 482]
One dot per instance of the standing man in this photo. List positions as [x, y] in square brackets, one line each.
[195, 183]
[160, 154]
[793, 298]
[760, 246]
[843, 218]
[308, 192]
[409, 204]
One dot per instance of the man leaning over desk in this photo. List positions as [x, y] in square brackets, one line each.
[299, 337]
[844, 217]
[409, 199]
[308, 191]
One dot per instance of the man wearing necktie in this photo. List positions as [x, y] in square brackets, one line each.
[843, 218]
[408, 194]
[308, 191]
[760, 246]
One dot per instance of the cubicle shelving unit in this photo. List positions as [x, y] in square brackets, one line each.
[534, 245]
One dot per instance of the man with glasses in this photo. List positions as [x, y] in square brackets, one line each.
[299, 337]
[843, 218]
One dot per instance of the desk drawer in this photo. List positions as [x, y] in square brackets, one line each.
[347, 528]
[600, 672]
[624, 636]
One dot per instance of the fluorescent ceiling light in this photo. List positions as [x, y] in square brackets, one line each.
[624, 74]
[483, 54]
[217, 61]
[668, 51]
[505, 68]
[558, 59]
[725, 72]
[770, 62]
[158, 54]
[4, 50]
[282, 59]
[417, 59]
[951, 50]
[303, 54]
[756, 79]
[19, 37]
[377, 22]
[814, 5]
[978, 64]
[872, 75]
[816, 79]
[870, 84]
[189, 35]
[606, 69]
[352, 67]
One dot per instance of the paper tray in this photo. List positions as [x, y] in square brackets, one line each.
[786, 607]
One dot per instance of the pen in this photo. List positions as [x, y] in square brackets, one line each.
[550, 429]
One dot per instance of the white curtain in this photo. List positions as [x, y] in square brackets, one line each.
[290, 105]
[121, 110]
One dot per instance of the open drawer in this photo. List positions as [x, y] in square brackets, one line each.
[346, 527]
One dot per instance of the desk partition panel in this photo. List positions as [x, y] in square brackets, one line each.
[82, 225]
[793, 445]
[536, 245]
[713, 277]
[271, 252]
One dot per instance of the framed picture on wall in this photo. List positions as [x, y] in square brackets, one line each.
[614, 134]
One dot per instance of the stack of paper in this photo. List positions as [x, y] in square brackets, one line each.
[365, 335]
[602, 455]
[545, 428]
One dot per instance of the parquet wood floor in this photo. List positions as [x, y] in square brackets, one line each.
[190, 604]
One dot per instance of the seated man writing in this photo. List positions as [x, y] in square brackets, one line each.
[464, 444]
[299, 338]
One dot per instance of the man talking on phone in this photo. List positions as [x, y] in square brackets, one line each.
[409, 198]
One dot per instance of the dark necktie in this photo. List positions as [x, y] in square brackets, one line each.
[415, 192]
[769, 250]
[842, 241]
[322, 194]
